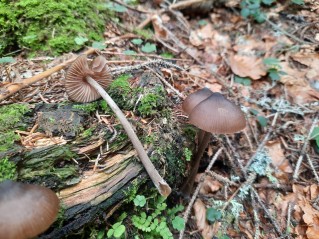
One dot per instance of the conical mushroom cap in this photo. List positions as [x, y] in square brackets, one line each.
[195, 98]
[76, 85]
[218, 115]
[26, 210]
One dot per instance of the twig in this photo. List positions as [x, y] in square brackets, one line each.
[263, 143]
[276, 226]
[12, 88]
[167, 84]
[222, 179]
[312, 167]
[202, 178]
[159, 62]
[304, 147]
[290, 206]
[256, 218]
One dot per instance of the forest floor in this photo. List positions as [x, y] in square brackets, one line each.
[264, 182]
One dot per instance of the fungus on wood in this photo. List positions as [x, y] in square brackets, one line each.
[211, 113]
[26, 210]
[85, 84]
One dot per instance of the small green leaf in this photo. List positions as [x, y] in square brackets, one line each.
[100, 234]
[262, 120]
[137, 41]
[118, 231]
[315, 134]
[98, 45]
[80, 40]
[243, 80]
[140, 201]
[110, 233]
[253, 111]
[7, 59]
[224, 237]
[271, 62]
[267, 2]
[245, 12]
[178, 223]
[148, 48]
[115, 7]
[202, 22]
[129, 52]
[298, 2]
[213, 215]
[274, 74]
[167, 55]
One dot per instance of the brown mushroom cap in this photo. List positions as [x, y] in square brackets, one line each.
[218, 115]
[76, 85]
[26, 210]
[195, 98]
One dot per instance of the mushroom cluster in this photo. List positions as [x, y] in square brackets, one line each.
[211, 112]
[26, 210]
[85, 84]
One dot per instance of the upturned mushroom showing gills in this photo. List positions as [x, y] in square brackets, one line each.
[26, 210]
[85, 83]
[211, 113]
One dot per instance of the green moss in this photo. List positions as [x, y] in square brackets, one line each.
[87, 133]
[10, 120]
[7, 170]
[87, 107]
[49, 26]
[152, 102]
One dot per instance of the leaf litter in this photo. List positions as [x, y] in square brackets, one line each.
[214, 49]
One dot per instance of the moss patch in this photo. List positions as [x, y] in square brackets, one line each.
[7, 170]
[10, 120]
[49, 26]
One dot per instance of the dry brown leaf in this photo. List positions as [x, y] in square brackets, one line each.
[209, 185]
[277, 156]
[194, 39]
[201, 222]
[159, 29]
[245, 66]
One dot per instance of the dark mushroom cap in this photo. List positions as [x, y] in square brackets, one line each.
[195, 98]
[26, 210]
[217, 115]
[76, 85]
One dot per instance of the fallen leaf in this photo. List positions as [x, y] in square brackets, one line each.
[159, 29]
[278, 158]
[209, 185]
[247, 66]
[201, 222]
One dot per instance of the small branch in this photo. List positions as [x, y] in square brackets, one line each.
[163, 188]
[202, 178]
[304, 147]
[12, 88]
[159, 62]
[276, 226]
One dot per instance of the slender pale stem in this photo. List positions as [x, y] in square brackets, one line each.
[187, 187]
[163, 188]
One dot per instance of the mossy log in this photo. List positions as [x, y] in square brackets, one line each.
[89, 161]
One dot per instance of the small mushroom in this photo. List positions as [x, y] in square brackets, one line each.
[26, 210]
[85, 84]
[212, 113]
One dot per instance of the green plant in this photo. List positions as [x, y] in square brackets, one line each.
[261, 120]
[155, 220]
[187, 154]
[87, 107]
[117, 230]
[213, 215]
[273, 68]
[150, 102]
[315, 135]
[252, 8]
[7, 170]
[148, 48]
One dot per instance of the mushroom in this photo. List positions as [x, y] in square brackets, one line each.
[85, 84]
[211, 113]
[26, 210]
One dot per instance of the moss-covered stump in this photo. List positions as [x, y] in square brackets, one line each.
[83, 153]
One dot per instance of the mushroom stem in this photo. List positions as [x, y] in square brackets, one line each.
[163, 188]
[203, 142]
